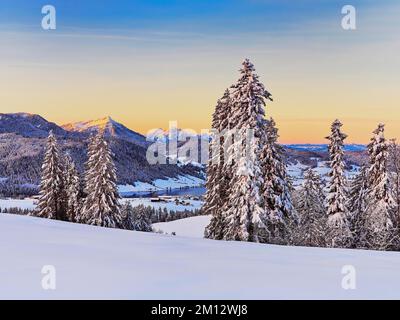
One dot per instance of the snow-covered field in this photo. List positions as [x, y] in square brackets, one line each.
[18, 203]
[93, 262]
[168, 203]
[192, 227]
[296, 171]
[162, 184]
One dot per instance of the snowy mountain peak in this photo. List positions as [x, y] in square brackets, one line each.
[22, 114]
[90, 125]
[28, 125]
[109, 126]
[164, 135]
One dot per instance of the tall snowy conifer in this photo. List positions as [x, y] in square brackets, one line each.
[51, 202]
[311, 230]
[101, 206]
[275, 189]
[127, 215]
[336, 199]
[394, 168]
[72, 190]
[141, 219]
[216, 183]
[91, 158]
[379, 230]
[356, 204]
[245, 210]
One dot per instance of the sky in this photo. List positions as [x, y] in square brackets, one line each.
[145, 63]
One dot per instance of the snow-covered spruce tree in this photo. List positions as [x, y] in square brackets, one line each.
[338, 226]
[101, 206]
[141, 219]
[379, 229]
[275, 189]
[394, 171]
[51, 201]
[137, 218]
[245, 213]
[72, 190]
[92, 149]
[217, 181]
[356, 204]
[127, 216]
[310, 205]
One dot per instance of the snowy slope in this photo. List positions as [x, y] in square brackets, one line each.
[189, 227]
[94, 262]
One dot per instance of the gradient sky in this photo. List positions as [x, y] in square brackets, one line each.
[147, 62]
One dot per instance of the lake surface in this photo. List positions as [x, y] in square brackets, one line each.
[196, 192]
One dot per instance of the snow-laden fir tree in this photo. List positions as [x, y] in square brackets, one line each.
[275, 189]
[127, 216]
[93, 142]
[101, 206]
[310, 205]
[141, 219]
[89, 174]
[246, 217]
[338, 225]
[217, 181]
[394, 171]
[245, 213]
[379, 229]
[356, 204]
[51, 199]
[72, 190]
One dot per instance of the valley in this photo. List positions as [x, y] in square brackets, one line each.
[23, 138]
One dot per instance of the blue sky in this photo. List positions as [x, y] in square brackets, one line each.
[180, 15]
[149, 62]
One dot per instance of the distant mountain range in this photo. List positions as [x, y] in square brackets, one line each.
[23, 140]
[29, 125]
[180, 134]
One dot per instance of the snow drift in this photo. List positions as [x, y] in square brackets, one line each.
[99, 263]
